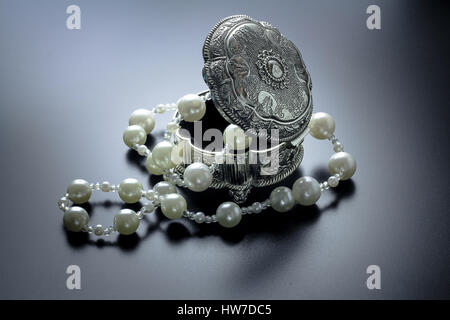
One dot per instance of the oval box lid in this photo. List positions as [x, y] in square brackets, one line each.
[257, 78]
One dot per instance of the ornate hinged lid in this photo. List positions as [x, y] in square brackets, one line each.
[257, 77]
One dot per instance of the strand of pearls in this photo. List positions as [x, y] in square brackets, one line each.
[142, 123]
[164, 157]
[305, 191]
[125, 222]
[197, 177]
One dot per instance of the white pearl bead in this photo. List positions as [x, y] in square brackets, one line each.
[173, 205]
[162, 154]
[134, 135]
[152, 167]
[163, 188]
[342, 163]
[228, 214]
[143, 118]
[126, 222]
[306, 191]
[235, 138]
[191, 107]
[75, 219]
[197, 177]
[321, 125]
[282, 199]
[130, 190]
[79, 191]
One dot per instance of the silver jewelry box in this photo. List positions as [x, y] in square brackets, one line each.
[257, 80]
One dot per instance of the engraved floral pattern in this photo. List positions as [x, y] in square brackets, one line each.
[257, 77]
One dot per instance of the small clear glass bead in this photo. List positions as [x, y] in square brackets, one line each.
[97, 186]
[98, 230]
[256, 207]
[333, 181]
[64, 201]
[160, 108]
[266, 203]
[180, 183]
[148, 207]
[172, 127]
[172, 178]
[338, 147]
[167, 136]
[150, 194]
[199, 217]
[106, 186]
[324, 186]
[208, 219]
[142, 150]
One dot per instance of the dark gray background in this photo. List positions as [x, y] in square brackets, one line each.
[65, 99]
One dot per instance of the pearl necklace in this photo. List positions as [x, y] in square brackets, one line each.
[306, 190]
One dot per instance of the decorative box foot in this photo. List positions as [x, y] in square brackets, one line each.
[240, 195]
